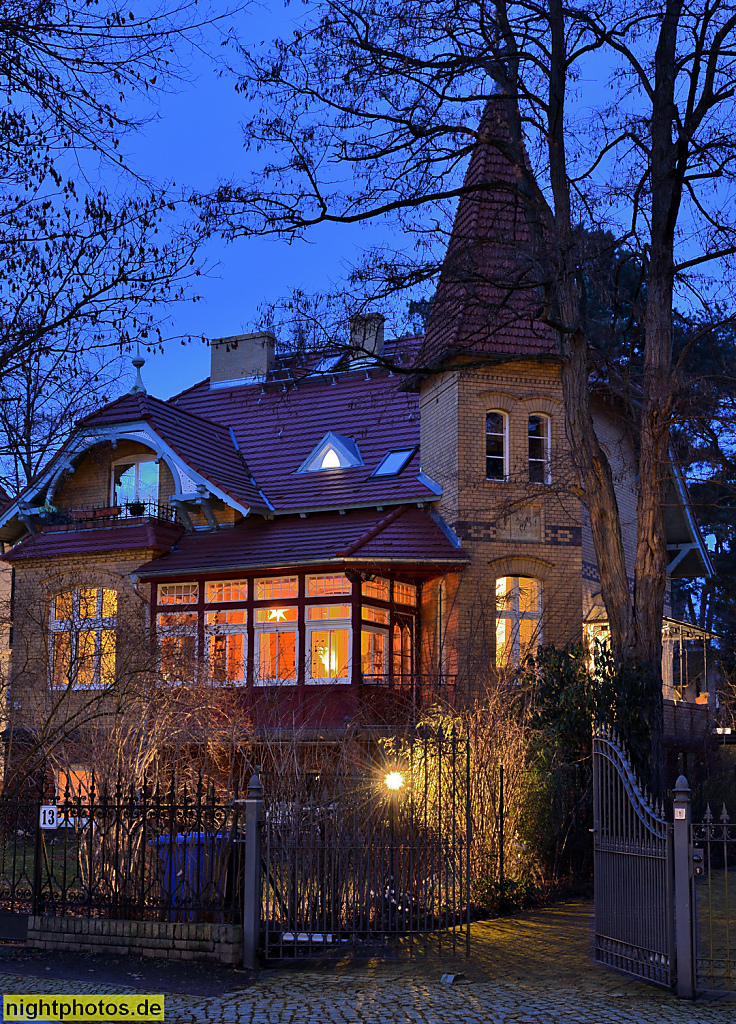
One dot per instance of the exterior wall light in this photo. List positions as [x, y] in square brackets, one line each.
[394, 781]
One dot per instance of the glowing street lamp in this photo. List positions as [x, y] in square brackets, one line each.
[394, 781]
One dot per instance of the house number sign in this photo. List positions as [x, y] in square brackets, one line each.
[48, 816]
[679, 813]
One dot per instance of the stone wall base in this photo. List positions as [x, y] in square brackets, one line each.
[222, 943]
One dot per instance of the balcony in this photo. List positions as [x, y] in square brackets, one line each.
[52, 520]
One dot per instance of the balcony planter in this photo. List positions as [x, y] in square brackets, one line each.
[136, 508]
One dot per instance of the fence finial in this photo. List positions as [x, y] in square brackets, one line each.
[255, 789]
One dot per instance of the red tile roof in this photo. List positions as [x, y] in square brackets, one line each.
[153, 536]
[203, 445]
[486, 302]
[409, 537]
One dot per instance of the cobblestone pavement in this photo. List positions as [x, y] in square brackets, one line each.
[530, 969]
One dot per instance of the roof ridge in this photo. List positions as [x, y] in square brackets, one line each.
[374, 530]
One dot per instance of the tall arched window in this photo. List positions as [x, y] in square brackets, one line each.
[497, 445]
[518, 614]
[539, 449]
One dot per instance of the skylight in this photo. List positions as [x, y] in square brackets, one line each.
[393, 462]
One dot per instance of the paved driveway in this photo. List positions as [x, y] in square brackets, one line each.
[530, 969]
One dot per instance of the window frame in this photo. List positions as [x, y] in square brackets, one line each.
[546, 445]
[260, 628]
[382, 678]
[192, 631]
[327, 625]
[516, 617]
[98, 625]
[504, 435]
[134, 460]
[212, 630]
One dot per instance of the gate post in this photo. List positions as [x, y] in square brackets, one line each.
[252, 881]
[684, 901]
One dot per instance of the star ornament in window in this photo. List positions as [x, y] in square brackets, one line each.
[277, 614]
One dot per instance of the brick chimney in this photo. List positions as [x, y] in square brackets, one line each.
[242, 357]
[366, 334]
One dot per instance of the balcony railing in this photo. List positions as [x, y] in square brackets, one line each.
[105, 515]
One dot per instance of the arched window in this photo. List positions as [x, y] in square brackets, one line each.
[518, 614]
[539, 437]
[497, 446]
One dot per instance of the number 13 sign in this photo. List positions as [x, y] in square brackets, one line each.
[48, 816]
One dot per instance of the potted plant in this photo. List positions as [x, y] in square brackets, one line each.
[136, 508]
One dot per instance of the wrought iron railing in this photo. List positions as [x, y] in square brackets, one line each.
[106, 515]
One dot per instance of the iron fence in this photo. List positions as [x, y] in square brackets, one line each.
[354, 860]
[136, 854]
[714, 852]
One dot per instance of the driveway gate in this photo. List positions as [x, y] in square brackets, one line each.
[633, 851]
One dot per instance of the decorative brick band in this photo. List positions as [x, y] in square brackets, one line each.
[222, 943]
[567, 536]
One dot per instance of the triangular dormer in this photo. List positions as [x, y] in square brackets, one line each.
[334, 451]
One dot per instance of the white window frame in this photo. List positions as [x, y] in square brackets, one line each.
[546, 443]
[505, 435]
[132, 460]
[73, 626]
[274, 627]
[384, 631]
[516, 616]
[229, 629]
[315, 625]
[191, 630]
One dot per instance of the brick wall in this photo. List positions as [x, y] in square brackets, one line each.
[222, 943]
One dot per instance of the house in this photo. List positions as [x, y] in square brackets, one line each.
[331, 538]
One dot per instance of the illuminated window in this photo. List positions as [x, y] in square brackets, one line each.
[518, 613]
[375, 614]
[330, 460]
[177, 646]
[539, 435]
[74, 783]
[405, 593]
[401, 651]
[329, 645]
[226, 590]
[393, 463]
[226, 636]
[328, 585]
[135, 480]
[374, 654]
[278, 588]
[277, 614]
[178, 593]
[82, 625]
[276, 650]
[376, 588]
[497, 429]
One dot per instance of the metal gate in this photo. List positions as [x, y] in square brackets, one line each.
[372, 856]
[633, 857]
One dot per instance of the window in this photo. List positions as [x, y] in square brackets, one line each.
[375, 614]
[178, 593]
[539, 432]
[226, 636]
[276, 614]
[82, 625]
[496, 445]
[329, 645]
[135, 479]
[74, 783]
[393, 463]
[330, 460]
[401, 651]
[226, 590]
[276, 645]
[518, 612]
[376, 588]
[278, 588]
[374, 654]
[328, 586]
[405, 593]
[334, 451]
[177, 644]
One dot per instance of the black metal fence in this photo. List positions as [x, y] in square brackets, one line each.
[714, 852]
[352, 860]
[136, 854]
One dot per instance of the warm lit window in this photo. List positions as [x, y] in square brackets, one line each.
[276, 644]
[375, 614]
[277, 614]
[401, 651]
[377, 588]
[329, 645]
[328, 585]
[539, 433]
[374, 654]
[518, 613]
[226, 590]
[497, 430]
[392, 463]
[177, 645]
[178, 593]
[226, 635]
[82, 625]
[135, 480]
[405, 593]
[278, 588]
[74, 783]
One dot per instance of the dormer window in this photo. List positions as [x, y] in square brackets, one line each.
[393, 462]
[335, 451]
[135, 480]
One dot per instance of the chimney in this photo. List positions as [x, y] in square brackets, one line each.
[242, 357]
[366, 334]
